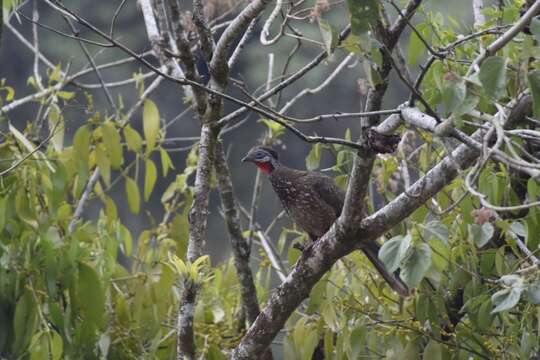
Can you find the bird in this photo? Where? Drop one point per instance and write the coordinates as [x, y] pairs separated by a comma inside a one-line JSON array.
[[314, 202]]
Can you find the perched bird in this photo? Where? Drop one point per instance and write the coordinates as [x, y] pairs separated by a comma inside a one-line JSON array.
[[313, 201]]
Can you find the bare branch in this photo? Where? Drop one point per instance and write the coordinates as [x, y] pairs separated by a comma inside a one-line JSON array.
[[268, 23], [248, 34], [479, 18], [218, 65], [241, 248], [205, 35], [83, 200]]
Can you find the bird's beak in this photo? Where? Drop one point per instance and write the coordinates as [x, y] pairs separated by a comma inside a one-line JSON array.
[[247, 158]]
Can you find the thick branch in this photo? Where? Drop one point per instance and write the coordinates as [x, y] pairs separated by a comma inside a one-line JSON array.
[[240, 247], [339, 241], [218, 65], [199, 209]]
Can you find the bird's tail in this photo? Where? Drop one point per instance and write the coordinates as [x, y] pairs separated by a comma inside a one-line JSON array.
[[371, 250]]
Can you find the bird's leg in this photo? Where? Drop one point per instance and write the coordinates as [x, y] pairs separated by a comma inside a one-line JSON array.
[[307, 245], [299, 246]]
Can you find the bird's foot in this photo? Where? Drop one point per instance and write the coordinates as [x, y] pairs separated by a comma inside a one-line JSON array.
[[305, 248], [299, 246]]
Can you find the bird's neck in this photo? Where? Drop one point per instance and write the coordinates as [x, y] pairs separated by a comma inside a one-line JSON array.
[[267, 167]]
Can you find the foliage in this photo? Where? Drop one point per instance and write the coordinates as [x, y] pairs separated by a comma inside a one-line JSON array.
[[100, 291]]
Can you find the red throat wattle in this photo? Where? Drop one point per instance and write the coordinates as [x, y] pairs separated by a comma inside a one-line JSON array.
[[265, 167]]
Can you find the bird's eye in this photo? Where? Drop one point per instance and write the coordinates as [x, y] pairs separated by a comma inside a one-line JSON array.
[[259, 155]]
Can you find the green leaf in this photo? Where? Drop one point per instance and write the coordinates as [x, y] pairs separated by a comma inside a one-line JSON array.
[[506, 299], [393, 251], [535, 28], [214, 353], [440, 255], [56, 74], [351, 44], [357, 339], [375, 54], [10, 93], [56, 121], [150, 178], [415, 48], [314, 157], [481, 234], [364, 13], [416, 265], [436, 229], [533, 293], [328, 34], [432, 351], [485, 318], [328, 344], [25, 321], [24, 208], [329, 315], [492, 76], [56, 346], [134, 198], [519, 228], [150, 124], [454, 92], [373, 76], [104, 163], [112, 141], [532, 189], [66, 95], [90, 294], [166, 162], [133, 139], [3, 202], [81, 145], [276, 129], [466, 106], [534, 84], [125, 239], [528, 343], [411, 351]]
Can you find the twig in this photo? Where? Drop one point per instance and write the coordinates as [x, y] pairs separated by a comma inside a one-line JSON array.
[[266, 27], [58, 32], [115, 16], [274, 260], [94, 67], [291, 79], [312, 91], [248, 34], [82, 201], [420, 36], [35, 150]]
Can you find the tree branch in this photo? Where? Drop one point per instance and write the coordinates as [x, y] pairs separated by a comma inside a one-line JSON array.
[[241, 248], [340, 240], [313, 263], [218, 65]]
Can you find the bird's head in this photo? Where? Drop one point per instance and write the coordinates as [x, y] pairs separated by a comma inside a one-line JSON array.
[[265, 158]]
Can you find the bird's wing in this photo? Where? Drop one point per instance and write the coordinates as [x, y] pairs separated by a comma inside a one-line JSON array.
[[329, 192]]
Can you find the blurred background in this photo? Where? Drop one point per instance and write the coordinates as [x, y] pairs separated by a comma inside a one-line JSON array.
[[344, 94]]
